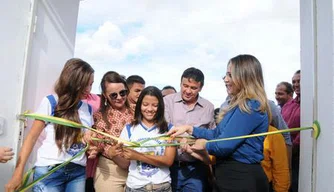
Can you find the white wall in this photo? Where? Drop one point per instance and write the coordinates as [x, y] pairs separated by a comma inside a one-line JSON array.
[[317, 102], [50, 45], [14, 30]]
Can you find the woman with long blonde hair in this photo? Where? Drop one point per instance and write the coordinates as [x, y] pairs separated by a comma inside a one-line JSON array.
[[238, 165]]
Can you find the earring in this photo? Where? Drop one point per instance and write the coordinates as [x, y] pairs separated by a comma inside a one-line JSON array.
[[105, 102]]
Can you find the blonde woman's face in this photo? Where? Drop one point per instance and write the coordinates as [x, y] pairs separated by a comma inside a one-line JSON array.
[[230, 86]]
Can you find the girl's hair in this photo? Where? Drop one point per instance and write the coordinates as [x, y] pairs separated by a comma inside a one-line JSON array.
[[69, 87], [159, 117], [247, 76], [110, 77]]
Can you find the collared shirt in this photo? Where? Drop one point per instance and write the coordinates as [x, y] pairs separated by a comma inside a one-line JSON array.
[[238, 123], [177, 112], [291, 115]]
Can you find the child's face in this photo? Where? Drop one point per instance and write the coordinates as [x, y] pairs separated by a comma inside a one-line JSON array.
[[149, 108]]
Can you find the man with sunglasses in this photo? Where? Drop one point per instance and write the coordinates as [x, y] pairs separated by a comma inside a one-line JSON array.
[[135, 84], [187, 107]]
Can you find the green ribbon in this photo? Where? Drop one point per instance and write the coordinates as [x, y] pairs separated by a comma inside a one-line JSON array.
[[316, 129], [73, 124], [25, 186]]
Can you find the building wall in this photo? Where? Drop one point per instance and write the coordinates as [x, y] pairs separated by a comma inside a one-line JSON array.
[[13, 39], [317, 75], [38, 39]]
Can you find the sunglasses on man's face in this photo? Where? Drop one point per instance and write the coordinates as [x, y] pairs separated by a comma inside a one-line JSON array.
[[122, 93]]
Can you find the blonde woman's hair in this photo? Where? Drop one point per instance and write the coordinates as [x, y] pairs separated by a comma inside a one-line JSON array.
[[247, 76]]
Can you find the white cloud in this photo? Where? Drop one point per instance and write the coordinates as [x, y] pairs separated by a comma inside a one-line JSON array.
[[137, 45], [160, 39], [109, 32]]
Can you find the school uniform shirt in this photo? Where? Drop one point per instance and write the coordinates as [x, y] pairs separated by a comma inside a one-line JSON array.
[[238, 123], [48, 153], [140, 173]]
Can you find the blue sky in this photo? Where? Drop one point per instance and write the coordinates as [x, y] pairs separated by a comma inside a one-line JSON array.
[[160, 39]]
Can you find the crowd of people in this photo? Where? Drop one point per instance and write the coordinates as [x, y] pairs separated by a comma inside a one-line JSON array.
[[128, 110]]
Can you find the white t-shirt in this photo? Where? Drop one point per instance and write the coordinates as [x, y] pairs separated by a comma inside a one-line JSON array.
[[141, 174], [48, 152]]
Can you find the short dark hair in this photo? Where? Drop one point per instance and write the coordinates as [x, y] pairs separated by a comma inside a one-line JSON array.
[[297, 72], [288, 86], [168, 87], [159, 118], [134, 79], [195, 74]]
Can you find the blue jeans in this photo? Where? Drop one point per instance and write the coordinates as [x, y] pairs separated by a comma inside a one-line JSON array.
[[70, 178], [189, 178]]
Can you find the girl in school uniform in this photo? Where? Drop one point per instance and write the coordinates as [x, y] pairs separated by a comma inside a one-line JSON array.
[[149, 167], [59, 143]]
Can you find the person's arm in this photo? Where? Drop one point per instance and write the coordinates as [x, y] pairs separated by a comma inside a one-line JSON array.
[[240, 123], [165, 160], [280, 164], [26, 149], [207, 134], [198, 132], [115, 152], [201, 155]]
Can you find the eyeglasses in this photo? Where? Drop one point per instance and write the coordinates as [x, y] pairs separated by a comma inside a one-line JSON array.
[[122, 93]]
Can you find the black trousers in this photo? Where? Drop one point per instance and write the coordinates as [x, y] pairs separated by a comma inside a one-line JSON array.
[[233, 176]]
